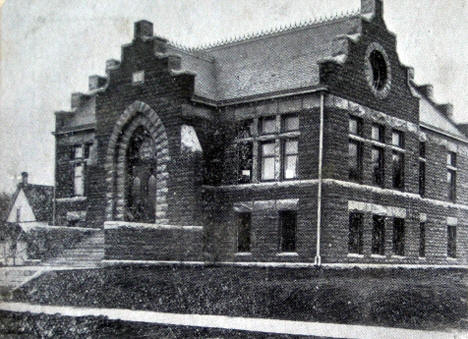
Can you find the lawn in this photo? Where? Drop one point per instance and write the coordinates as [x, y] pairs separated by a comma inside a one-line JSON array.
[[52, 326], [422, 299]]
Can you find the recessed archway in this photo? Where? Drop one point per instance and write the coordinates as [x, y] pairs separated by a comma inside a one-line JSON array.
[[137, 115]]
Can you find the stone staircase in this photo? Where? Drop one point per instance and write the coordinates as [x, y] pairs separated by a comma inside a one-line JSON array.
[[87, 253], [13, 277]]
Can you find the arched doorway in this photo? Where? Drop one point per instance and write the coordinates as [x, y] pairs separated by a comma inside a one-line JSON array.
[[141, 177], [137, 115]]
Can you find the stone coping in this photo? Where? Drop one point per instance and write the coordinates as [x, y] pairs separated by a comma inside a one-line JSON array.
[[113, 225]]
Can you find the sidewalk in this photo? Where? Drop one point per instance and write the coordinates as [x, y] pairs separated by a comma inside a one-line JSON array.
[[236, 323]]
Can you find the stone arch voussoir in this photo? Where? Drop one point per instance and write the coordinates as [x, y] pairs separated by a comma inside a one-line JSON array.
[[137, 114]]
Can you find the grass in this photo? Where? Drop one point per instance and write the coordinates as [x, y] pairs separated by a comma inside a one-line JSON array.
[[422, 299], [53, 326]]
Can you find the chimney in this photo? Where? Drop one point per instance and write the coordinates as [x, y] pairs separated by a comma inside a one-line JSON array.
[[112, 64], [446, 109], [96, 81], [143, 29], [77, 99], [24, 178], [427, 90], [372, 8], [463, 128]]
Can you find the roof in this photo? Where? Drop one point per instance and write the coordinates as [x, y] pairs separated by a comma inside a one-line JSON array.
[[267, 62], [432, 117], [40, 199]]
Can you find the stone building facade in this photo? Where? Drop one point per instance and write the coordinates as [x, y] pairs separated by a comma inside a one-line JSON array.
[[309, 144]]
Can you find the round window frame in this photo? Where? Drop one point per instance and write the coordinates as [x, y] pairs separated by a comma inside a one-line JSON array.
[[385, 90]]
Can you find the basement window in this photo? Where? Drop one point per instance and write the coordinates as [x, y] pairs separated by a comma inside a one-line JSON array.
[[355, 233], [452, 241], [378, 235], [422, 240], [399, 237], [243, 232], [288, 221]]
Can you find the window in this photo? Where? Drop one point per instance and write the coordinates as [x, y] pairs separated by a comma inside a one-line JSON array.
[[290, 152], [288, 231], [87, 148], [399, 236], [422, 178], [243, 232], [355, 160], [77, 152], [422, 149], [398, 170], [290, 123], [452, 176], [398, 139], [379, 69], [452, 159], [378, 235], [452, 182], [422, 169], [245, 129], [244, 159], [355, 233], [78, 182], [355, 126], [422, 239], [138, 77], [18, 214], [268, 163], [268, 125], [452, 241], [378, 133], [378, 166]]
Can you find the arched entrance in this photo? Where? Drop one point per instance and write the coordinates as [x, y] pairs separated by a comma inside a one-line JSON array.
[[137, 167], [141, 177]]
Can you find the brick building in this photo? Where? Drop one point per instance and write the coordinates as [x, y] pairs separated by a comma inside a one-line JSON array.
[[230, 152]]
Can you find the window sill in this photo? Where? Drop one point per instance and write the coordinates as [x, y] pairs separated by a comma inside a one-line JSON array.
[[398, 256], [287, 254], [452, 259], [422, 258], [77, 198], [355, 255], [378, 256], [243, 254]]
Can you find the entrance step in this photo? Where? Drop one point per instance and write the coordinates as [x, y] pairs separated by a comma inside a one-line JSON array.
[[87, 253]]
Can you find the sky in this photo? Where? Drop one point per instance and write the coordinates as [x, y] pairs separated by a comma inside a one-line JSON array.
[[48, 48]]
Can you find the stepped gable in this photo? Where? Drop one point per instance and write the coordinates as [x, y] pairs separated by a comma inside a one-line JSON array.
[[434, 115], [277, 60]]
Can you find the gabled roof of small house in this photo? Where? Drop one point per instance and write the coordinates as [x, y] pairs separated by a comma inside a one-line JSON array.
[[39, 198]]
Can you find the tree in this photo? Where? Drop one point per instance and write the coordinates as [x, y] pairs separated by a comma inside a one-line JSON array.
[[5, 201]]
